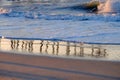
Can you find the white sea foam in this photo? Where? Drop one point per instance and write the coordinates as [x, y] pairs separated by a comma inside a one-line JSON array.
[[108, 11], [110, 6], [73, 17], [46, 22]]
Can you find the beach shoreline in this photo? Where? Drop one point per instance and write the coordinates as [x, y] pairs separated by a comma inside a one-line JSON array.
[[62, 49]]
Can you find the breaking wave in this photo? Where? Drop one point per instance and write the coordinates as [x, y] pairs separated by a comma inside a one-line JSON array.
[[110, 6], [107, 11], [80, 17]]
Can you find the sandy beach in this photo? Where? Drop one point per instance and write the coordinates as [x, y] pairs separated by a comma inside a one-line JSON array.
[[29, 67]]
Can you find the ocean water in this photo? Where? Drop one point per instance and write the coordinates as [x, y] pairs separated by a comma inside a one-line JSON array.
[[62, 21]]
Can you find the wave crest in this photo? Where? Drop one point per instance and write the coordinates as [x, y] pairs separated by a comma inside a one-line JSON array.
[[110, 6], [78, 17], [105, 13]]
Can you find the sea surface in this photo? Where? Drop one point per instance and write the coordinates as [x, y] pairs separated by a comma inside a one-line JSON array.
[[61, 21]]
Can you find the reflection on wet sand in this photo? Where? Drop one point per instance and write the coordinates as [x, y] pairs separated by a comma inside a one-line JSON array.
[[60, 48]]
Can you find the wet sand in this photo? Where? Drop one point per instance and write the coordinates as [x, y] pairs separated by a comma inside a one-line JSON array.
[[30, 67], [62, 49]]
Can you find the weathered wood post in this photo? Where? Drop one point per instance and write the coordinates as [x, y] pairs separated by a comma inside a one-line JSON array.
[[53, 48], [17, 44], [68, 49], [41, 45], [75, 52], [105, 52], [99, 52], [46, 50], [92, 48], [81, 49], [57, 49], [30, 46]]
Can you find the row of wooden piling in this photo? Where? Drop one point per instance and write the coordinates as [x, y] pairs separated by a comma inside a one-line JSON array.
[[28, 46]]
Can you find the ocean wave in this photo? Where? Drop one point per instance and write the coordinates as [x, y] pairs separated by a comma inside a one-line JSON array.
[[110, 6], [60, 12], [78, 17]]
